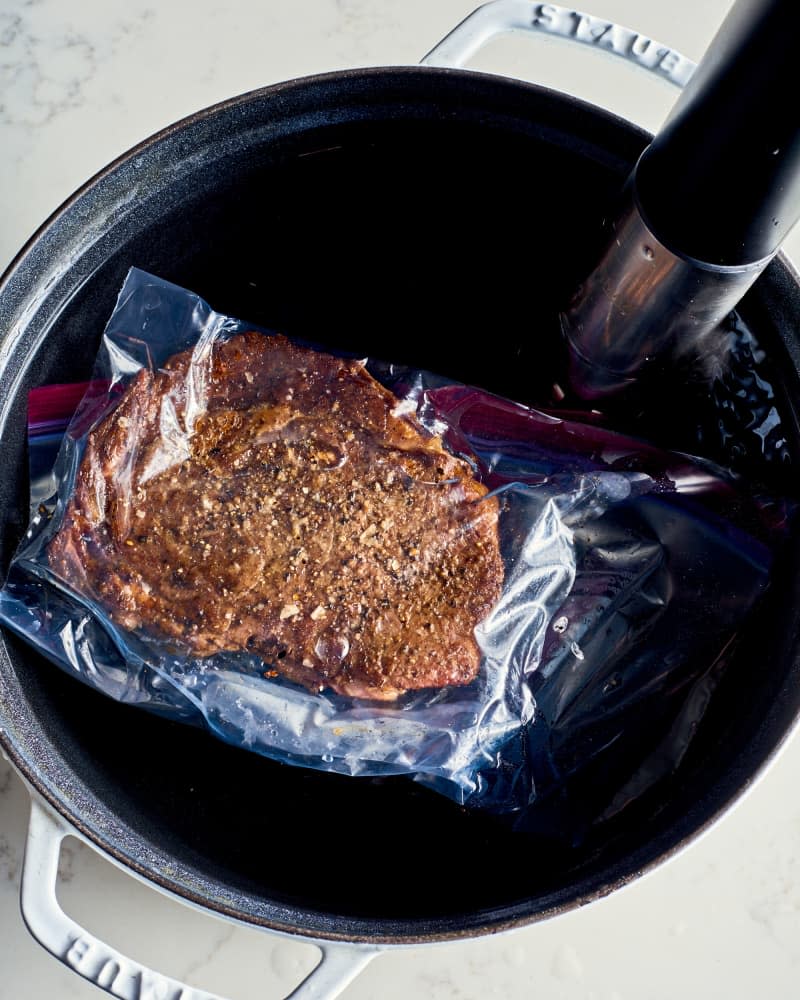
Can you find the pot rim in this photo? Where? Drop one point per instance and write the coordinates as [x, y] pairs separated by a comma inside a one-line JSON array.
[[272, 90]]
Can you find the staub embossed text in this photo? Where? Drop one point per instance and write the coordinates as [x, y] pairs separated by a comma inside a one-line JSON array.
[[111, 972], [613, 37]]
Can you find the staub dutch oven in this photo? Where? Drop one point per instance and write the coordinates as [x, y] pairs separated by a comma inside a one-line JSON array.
[[328, 191]]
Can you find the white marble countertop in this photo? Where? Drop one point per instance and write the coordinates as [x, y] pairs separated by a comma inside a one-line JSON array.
[[79, 84]]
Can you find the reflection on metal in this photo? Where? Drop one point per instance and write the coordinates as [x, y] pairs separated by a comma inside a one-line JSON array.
[[642, 300]]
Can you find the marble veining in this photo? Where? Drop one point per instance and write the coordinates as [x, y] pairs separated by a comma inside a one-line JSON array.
[[48, 63]]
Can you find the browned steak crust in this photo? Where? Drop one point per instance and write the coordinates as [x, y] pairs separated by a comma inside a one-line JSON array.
[[270, 498]]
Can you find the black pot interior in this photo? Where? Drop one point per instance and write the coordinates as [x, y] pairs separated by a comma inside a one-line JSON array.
[[412, 216]]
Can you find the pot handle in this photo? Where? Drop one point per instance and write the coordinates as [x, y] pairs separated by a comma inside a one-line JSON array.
[[112, 971], [501, 16]]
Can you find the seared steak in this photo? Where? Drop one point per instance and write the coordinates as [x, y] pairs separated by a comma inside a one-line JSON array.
[[265, 497]]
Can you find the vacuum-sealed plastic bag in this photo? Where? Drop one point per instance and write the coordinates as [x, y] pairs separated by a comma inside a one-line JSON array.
[[664, 581], [356, 567]]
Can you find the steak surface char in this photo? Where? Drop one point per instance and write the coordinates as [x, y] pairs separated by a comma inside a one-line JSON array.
[[264, 497]]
